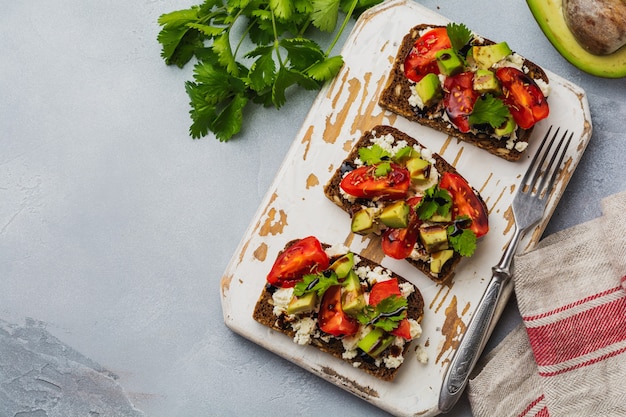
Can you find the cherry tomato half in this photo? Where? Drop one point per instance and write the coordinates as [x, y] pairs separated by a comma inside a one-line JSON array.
[[303, 257], [363, 183], [399, 243], [466, 202], [331, 317], [384, 289], [459, 99], [523, 97], [421, 60]]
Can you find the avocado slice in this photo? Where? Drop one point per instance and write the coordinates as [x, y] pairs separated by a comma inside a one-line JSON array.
[[302, 304], [434, 238], [429, 89], [418, 168], [485, 81], [375, 342], [487, 55], [363, 222], [438, 260], [395, 215], [352, 297], [506, 128], [549, 16], [343, 265], [449, 62]]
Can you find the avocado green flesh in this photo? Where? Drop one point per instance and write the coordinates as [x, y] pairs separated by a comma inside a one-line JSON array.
[[549, 16]]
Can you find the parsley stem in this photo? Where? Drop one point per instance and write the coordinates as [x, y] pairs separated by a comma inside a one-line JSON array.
[[276, 41], [343, 26]]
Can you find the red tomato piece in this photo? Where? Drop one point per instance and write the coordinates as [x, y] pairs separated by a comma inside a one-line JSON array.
[[303, 257], [421, 60], [459, 99], [523, 97], [384, 289], [363, 183], [331, 317], [403, 330], [399, 243], [466, 202]]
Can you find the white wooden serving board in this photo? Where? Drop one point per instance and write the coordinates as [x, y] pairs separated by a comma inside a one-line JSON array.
[[295, 207]]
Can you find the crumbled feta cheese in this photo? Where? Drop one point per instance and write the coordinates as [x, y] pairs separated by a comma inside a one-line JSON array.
[[419, 254], [416, 328], [304, 330], [373, 276], [521, 146], [393, 362], [414, 99], [337, 249], [406, 289], [281, 298], [350, 342], [421, 354]]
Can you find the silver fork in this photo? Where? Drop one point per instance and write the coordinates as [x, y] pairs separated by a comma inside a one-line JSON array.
[[528, 207]]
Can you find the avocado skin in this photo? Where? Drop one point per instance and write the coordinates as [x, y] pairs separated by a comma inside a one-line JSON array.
[[549, 16]]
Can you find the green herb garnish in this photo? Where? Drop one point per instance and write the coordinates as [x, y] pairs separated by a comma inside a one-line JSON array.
[[435, 201], [491, 110], [226, 78], [386, 314], [318, 283], [382, 169], [459, 35], [373, 154], [462, 240]]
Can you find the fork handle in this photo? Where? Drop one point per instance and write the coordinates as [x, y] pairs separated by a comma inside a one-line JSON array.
[[477, 331]]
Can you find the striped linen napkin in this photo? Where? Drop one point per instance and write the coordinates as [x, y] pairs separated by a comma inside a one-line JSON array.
[[568, 356]]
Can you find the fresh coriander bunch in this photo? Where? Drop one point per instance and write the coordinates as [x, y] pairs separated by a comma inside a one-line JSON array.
[[226, 79]]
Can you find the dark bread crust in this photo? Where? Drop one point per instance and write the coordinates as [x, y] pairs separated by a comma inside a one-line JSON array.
[[264, 314], [395, 97], [332, 192]]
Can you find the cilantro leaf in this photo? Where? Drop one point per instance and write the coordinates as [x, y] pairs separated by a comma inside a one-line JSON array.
[[386, 315], [325, 14], [302, 53], [226, 77], [325, 70], [318, 283], [282, 8], [435, 201], [464, 242], [459, 35], [229, 120], [491, 110], [403, 154], [263, 70], [382, 169], [287, 77], [373, 155]]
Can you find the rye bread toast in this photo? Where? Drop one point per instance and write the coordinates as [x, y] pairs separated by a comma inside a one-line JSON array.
[[395, 97], [388, 363], [333, 191]]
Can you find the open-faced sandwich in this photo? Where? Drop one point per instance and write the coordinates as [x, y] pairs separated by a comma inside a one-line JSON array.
[[343, 304], [422, 208], [457, 82]]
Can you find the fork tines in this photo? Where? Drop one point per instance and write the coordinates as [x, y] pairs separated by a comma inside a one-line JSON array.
[[537, 170]]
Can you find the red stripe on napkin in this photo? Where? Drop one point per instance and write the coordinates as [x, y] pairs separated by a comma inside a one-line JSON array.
[[574, 304], [531, 409], [579, 334]]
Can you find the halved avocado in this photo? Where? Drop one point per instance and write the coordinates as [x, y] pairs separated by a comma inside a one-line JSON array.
[[549, 16]]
